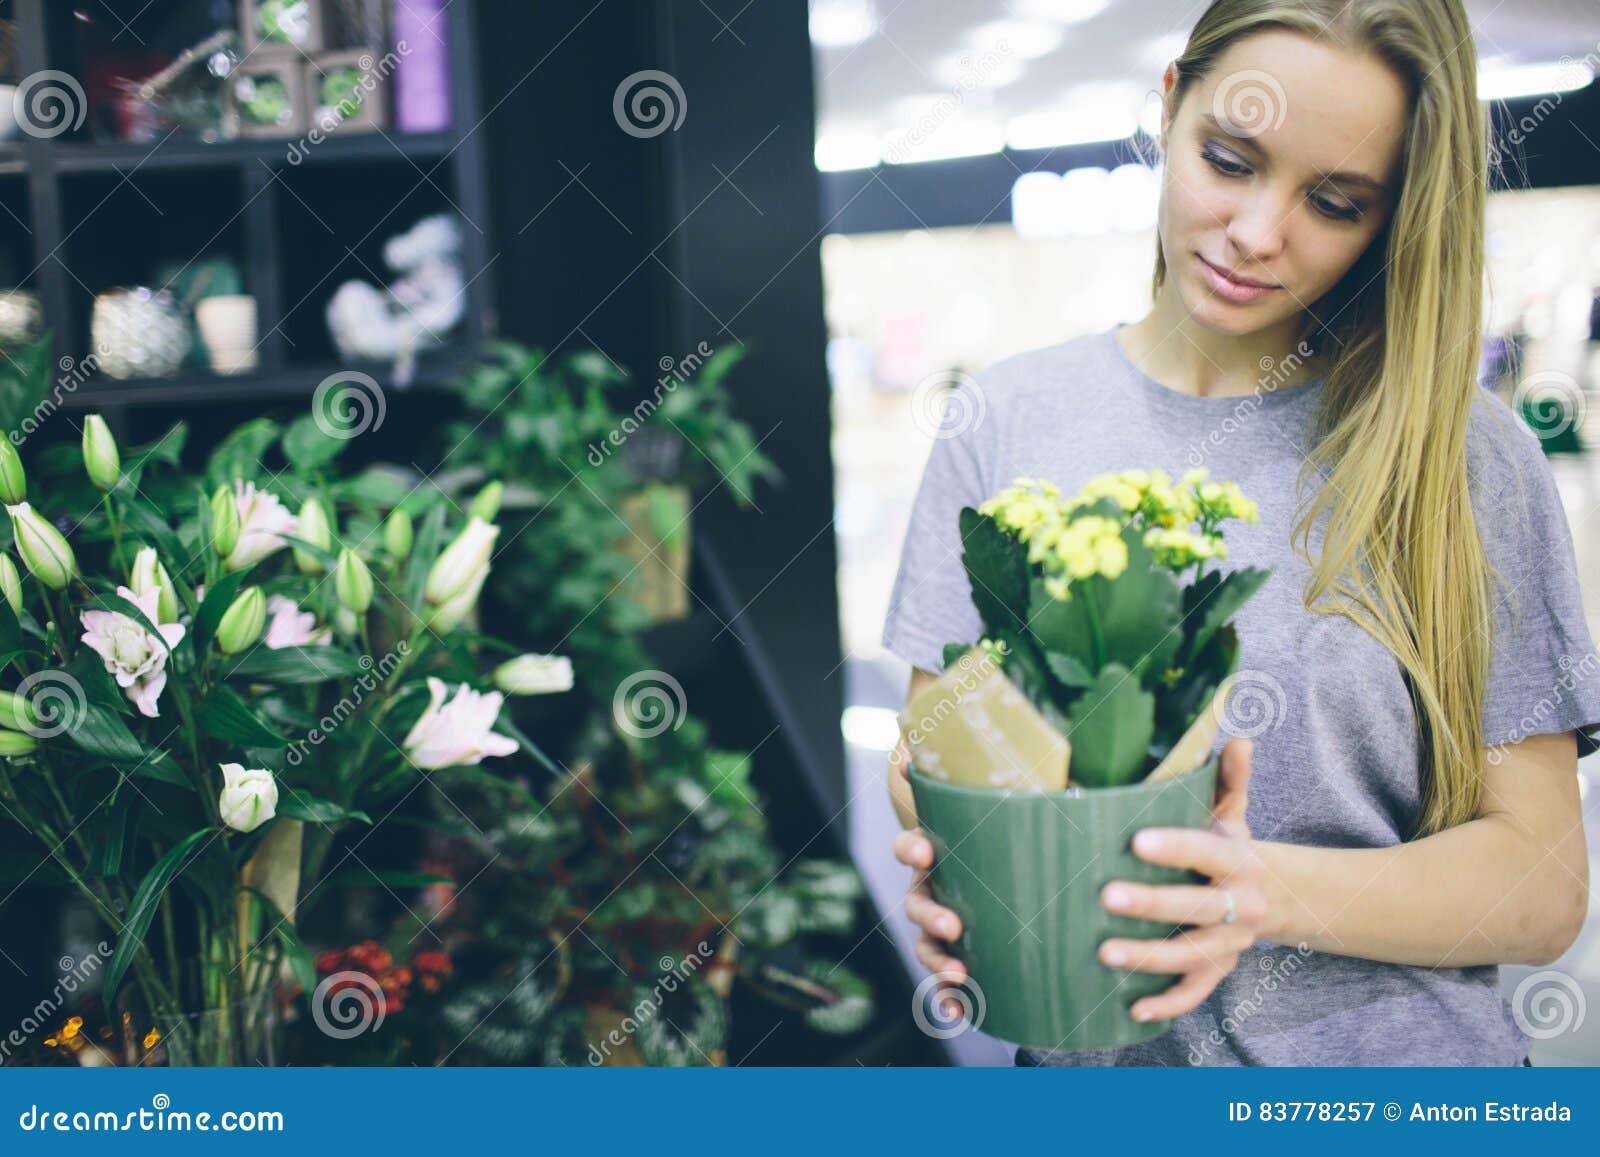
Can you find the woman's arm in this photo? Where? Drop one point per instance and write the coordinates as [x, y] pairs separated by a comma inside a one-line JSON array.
[[1511, 886]]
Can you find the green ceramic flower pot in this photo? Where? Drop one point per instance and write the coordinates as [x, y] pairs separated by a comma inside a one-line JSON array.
[[1024, 871]]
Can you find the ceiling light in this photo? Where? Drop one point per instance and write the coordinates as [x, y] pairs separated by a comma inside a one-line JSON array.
[[1023, 39], [1091, 112], [1511, 82], [1061, 11], [839, 152], [841, 23]]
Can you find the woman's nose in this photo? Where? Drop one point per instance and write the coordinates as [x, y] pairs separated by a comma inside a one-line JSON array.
[[1257, 227]]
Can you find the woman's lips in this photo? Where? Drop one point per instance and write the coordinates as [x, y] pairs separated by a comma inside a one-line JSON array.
[[1224, 286]]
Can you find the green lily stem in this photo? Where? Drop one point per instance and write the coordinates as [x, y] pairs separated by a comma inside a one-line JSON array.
[[319, 839], [116, 532]]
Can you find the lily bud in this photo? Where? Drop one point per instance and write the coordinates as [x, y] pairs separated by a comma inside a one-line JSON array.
[[487, 504], [242, 622], [100, 457], [461, 561], [352, 582], [16, 713], [313, 527], [14, 743], [224, 521], [534, 675], [249, 797], [13, 481], [450, 614], [148, 574], [43, 549], [11, 584], [397, 535]]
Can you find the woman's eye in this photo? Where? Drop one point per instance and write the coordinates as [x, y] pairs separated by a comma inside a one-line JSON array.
[[1222, 164], [1338, 210]]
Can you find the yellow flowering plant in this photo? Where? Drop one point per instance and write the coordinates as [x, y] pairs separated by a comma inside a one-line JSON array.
[[1084, 598]]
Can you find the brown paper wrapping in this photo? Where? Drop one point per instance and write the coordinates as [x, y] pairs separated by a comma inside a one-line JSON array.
[[974, 727]]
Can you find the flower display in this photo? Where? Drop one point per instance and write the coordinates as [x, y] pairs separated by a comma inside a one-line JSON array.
[[289, 626]]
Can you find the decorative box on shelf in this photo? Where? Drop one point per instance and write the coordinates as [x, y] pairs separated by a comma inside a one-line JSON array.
[[347, 91], [269, 97], [293, 26]]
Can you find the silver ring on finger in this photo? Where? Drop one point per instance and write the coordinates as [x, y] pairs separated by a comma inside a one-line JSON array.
[[1232, 912]]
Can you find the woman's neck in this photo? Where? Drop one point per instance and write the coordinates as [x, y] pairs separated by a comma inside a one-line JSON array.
[[1187, 357]]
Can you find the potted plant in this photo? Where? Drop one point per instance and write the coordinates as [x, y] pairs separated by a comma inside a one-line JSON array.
[[1088, 711]]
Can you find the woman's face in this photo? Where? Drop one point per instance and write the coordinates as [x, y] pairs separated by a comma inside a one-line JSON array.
[[1281, 167]]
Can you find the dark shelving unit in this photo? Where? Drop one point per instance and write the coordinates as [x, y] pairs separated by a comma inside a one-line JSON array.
[[71, 180]]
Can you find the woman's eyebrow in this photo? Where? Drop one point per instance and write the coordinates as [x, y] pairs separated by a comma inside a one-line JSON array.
[[1342, 177]]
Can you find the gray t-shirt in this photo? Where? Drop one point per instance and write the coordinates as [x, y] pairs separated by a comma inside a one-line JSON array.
[[1336, 759]]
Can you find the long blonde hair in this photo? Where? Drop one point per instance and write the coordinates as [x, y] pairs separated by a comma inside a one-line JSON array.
[[1400, 333]]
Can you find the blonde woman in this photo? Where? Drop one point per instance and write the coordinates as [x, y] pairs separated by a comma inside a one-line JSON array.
[[1398, 812]]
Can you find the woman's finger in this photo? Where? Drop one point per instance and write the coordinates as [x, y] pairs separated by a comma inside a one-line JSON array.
[[1212, 854], [1182, 997], [1213, 946], [913, 849], [932, 917], [1233, 780], [1178, 903], [935, 959]]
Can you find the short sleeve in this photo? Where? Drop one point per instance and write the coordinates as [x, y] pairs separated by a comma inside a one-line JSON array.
[[1544, 676], [931, 601]]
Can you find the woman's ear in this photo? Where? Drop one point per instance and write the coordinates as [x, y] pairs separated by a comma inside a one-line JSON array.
[[1169, 87]]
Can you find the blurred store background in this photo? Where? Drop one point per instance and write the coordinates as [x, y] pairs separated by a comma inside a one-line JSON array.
[[986, 191]]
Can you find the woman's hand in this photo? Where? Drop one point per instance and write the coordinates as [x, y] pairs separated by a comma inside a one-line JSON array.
[[1207, 952], [939, 924]]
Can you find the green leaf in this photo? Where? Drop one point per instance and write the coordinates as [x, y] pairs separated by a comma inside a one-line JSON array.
[[296, 665], [239, 455], [229, 718], [771, 919], [997, 567], [25, 383], [425, 549], [307, 446], [1069, 671], [144, 521], [143, 908], [1215, 597], [298, 805], [100, 731], [1111, 728], [849, 1006]]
